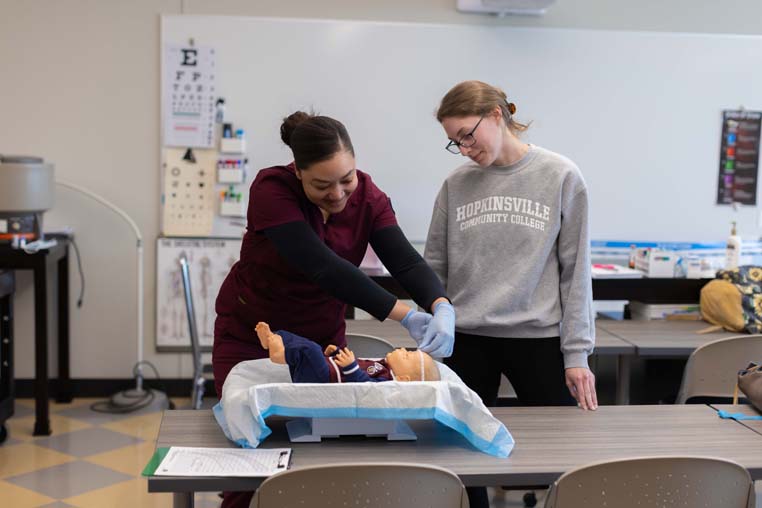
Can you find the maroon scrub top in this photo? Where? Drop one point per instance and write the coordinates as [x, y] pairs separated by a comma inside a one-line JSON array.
[[262, 286]]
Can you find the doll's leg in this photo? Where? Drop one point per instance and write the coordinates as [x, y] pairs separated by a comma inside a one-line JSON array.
[[272, 342], [305, 359]]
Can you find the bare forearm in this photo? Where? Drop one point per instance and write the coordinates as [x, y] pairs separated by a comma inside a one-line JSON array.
[[399, 311]]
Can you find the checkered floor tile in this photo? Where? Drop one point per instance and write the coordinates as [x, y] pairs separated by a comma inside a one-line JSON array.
[[90, 460]]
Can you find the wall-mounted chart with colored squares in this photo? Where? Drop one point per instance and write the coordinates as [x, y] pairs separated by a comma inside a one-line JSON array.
[[739, 157]]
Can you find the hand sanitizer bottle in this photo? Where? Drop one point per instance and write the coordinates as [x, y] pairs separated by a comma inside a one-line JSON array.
[[633, 255], [733, 249]]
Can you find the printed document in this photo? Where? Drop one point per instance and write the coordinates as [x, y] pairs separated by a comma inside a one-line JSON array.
[[187, 461]]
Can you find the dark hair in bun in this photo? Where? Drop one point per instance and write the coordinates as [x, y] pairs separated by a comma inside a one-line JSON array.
[[313, 138]]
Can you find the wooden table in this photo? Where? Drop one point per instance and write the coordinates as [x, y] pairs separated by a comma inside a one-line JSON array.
[[661, 337], [606, 344], [755, 425], [655, 338], [549, 442]]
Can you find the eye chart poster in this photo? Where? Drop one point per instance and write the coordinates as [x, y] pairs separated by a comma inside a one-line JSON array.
[[188, 203], [188, 89], [739, 157]]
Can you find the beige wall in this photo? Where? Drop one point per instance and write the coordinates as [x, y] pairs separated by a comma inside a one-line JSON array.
[[79, 85]]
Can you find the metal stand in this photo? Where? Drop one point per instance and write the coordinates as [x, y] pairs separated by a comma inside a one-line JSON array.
[[312, 430], [197, 392]]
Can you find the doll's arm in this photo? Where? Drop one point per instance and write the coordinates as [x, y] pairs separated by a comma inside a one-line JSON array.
[[350, 368]]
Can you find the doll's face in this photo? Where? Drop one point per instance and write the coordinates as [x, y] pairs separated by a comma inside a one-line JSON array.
[[407, 365]]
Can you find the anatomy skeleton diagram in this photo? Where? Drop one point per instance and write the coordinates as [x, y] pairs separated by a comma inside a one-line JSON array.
[[208, 267]]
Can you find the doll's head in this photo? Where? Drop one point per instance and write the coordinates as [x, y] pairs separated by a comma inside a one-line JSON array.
[[412, 365]]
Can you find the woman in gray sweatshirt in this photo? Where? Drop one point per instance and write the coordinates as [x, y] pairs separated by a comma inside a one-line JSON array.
[[509, 240]]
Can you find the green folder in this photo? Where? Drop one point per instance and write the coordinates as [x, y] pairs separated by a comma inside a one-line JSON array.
[[158, 456]]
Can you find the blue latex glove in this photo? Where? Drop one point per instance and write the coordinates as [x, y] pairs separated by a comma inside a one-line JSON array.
[[439, 338], [416, 323]]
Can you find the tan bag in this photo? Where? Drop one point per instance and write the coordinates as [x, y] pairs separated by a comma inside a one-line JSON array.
[[721, 306], [750, 383]]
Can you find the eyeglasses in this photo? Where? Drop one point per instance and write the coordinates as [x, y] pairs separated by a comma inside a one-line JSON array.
[[466, 141]]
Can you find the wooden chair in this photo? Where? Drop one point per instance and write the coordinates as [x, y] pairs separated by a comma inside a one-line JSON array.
[[712, 369], [363, 485], [655, 481]]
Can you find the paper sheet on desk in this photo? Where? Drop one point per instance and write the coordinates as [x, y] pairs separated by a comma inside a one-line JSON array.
[[603, 271], [189, 461]]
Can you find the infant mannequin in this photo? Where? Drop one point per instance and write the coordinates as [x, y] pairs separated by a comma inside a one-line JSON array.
[[308, 364]]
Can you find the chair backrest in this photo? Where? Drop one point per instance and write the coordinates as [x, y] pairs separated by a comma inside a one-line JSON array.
[[363, 485], [712, 369], [197, 391], [655, 481], [368, 346]]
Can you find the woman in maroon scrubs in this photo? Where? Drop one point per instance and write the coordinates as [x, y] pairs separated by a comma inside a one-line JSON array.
[[309, 225]]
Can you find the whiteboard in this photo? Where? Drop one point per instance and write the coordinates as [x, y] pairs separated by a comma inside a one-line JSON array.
[[640, 113]]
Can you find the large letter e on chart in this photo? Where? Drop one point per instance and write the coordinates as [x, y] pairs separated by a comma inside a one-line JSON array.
[[189, 57]]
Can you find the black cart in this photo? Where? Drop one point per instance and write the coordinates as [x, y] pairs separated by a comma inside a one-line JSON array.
[[7, 285]]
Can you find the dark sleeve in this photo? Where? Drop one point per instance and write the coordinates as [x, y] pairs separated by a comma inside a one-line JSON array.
[[407, 266], [302, 248], [354, 374]]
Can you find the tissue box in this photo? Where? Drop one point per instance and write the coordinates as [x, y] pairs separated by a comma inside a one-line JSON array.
[[233, 145], [229, 175], [233, 209]]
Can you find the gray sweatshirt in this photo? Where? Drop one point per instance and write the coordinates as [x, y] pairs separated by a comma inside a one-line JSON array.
[[512, 248]]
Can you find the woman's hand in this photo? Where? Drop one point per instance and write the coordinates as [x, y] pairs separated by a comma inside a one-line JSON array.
[[345, 357], [581, 384], [416, 323], [329, 350], [439, 338]]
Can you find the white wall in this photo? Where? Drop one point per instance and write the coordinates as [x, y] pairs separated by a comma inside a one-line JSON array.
[[79, 85]]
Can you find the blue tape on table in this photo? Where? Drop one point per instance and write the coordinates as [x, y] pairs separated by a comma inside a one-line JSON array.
[[738, 416]]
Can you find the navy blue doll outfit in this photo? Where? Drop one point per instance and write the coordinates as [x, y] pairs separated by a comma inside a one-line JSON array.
[[307, 364]]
